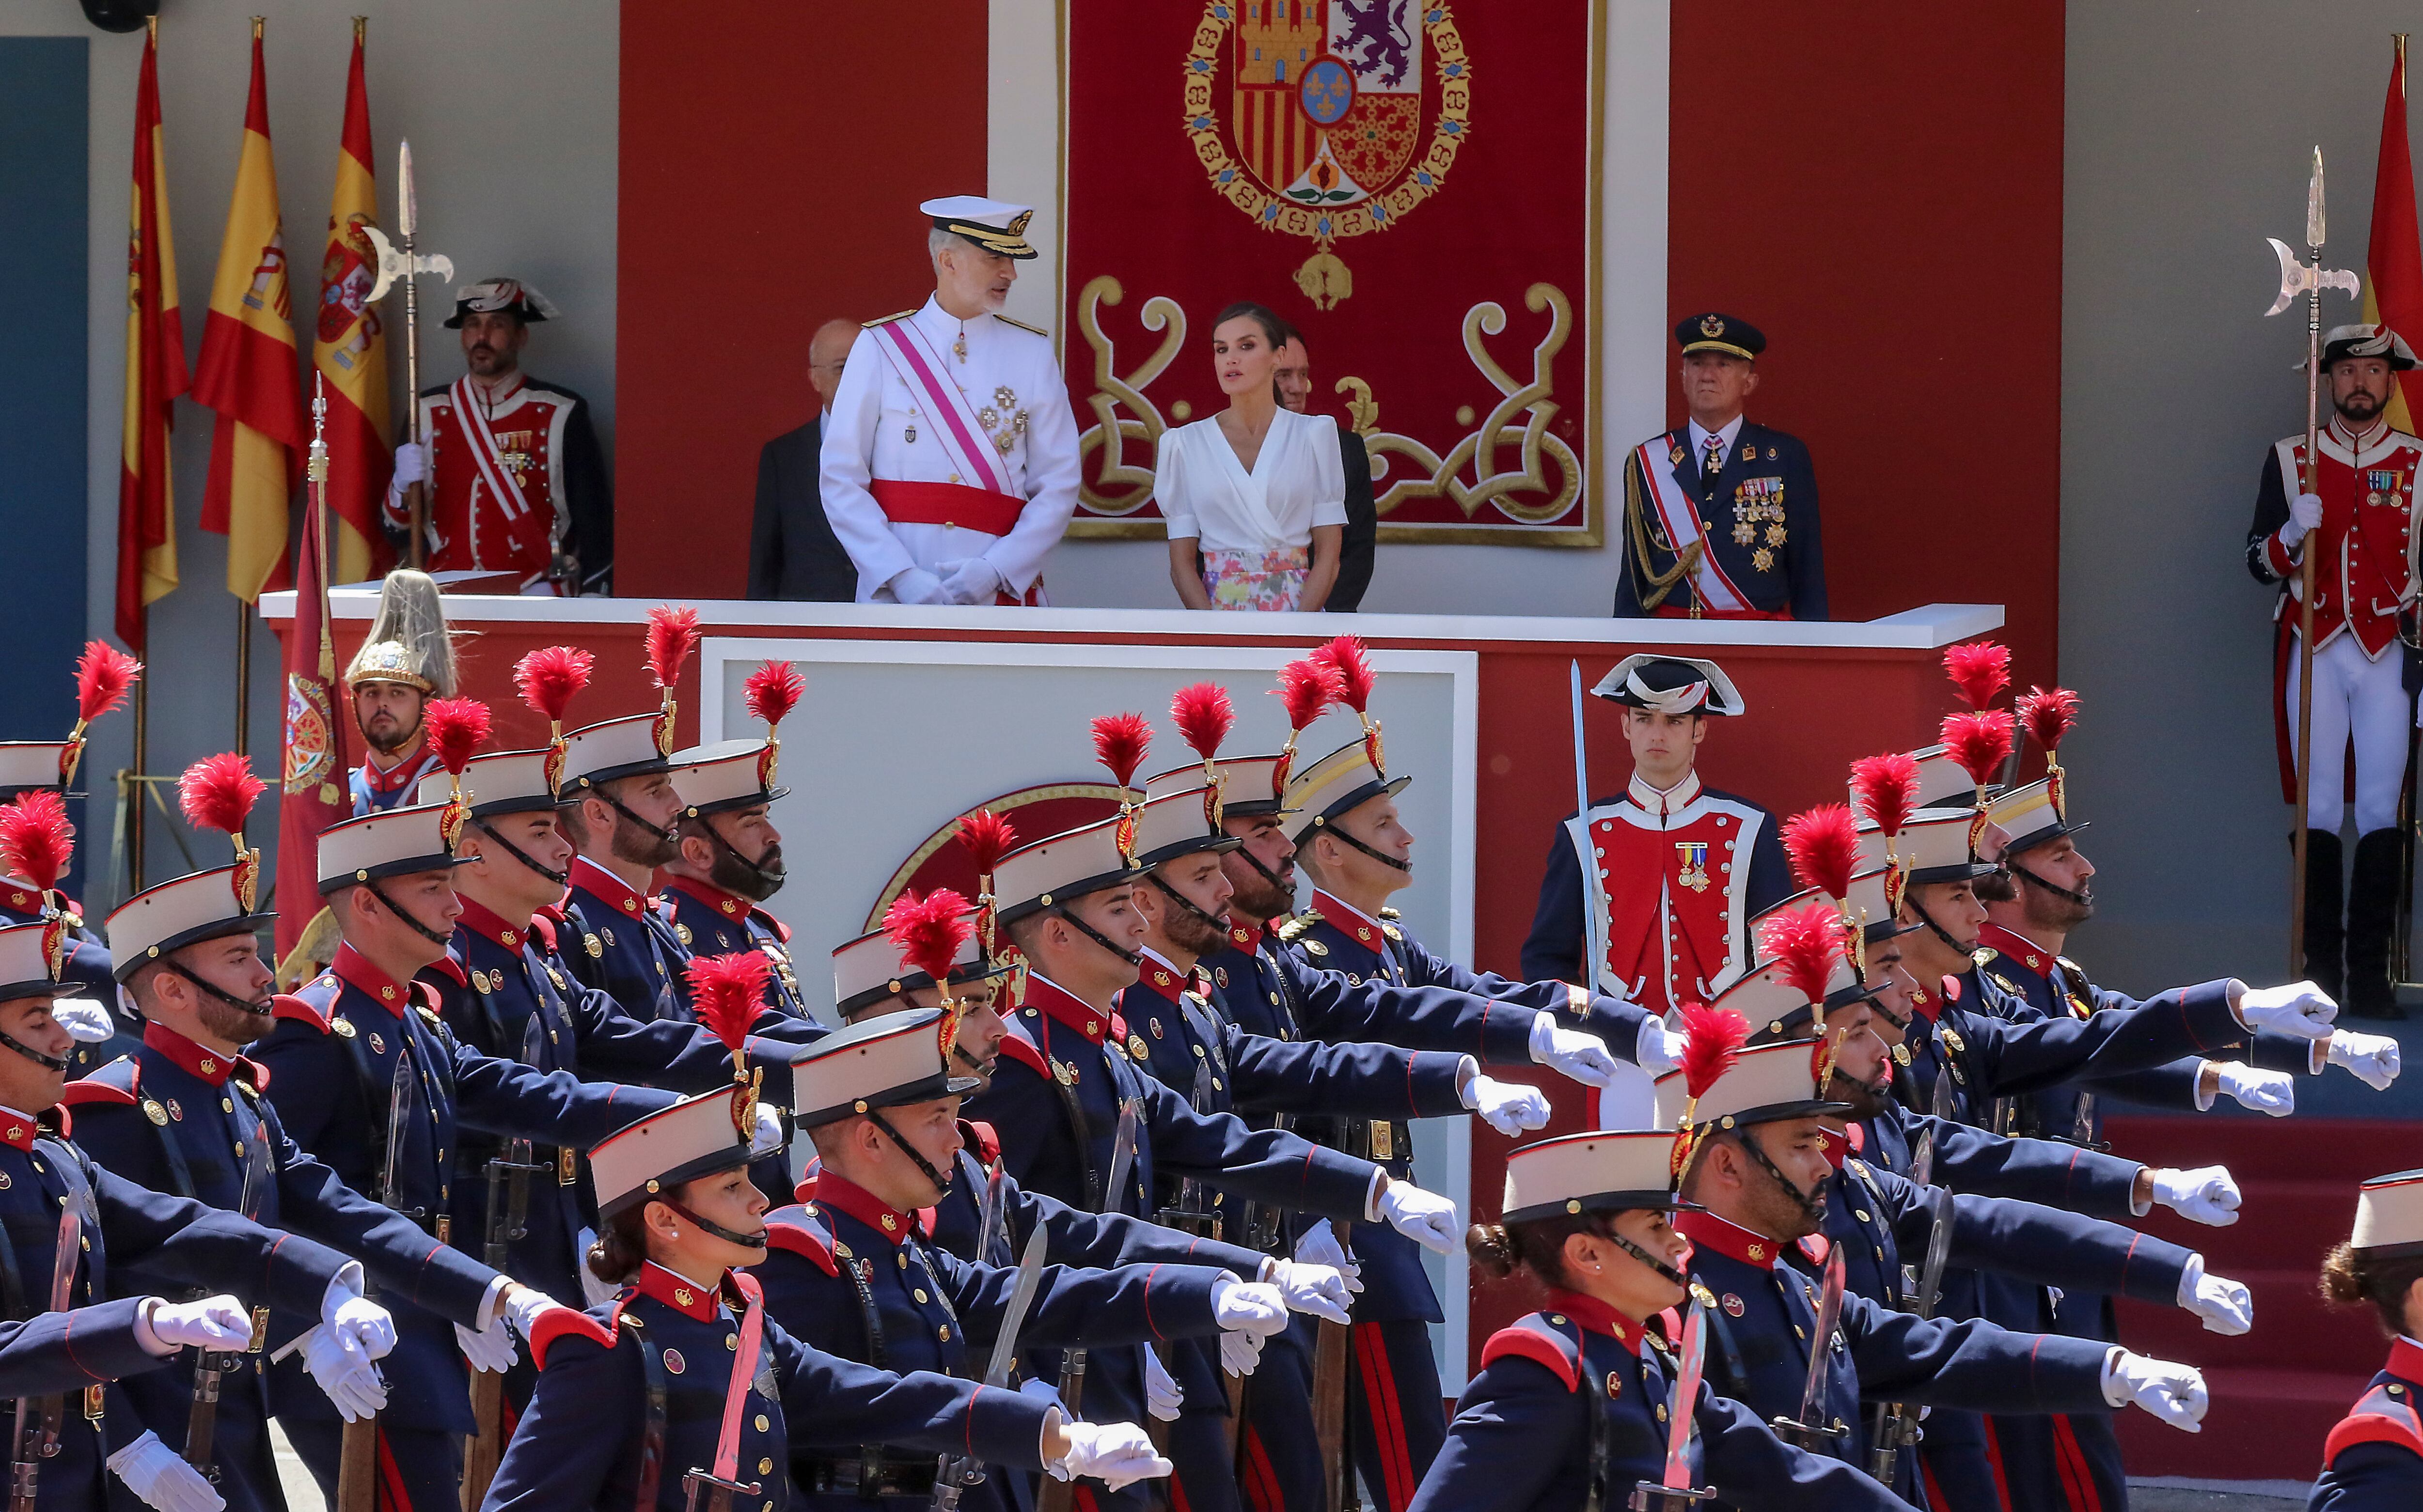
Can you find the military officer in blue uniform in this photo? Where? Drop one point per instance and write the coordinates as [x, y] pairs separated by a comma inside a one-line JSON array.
[[1571, 1406], [1721, 516], [682, 1392], [729, 859], [2373, 1460], [366, 1075], [882, 1103], [93, 1013], [619, 807]]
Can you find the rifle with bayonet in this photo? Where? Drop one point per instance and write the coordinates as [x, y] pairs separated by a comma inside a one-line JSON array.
[[509, 1172], [1895, 1427], [957, 1473], [1806, 1430], [1673, 1491], [38, 1418], [357, 1453], [1059, 1495], [213, 1367]]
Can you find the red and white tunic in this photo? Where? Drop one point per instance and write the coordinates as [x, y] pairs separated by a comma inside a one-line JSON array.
[[499, 496], [2366, 572], [1673, 873]]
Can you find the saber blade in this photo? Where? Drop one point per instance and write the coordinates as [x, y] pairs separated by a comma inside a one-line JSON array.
[[1821, 1343], [1013, 1318], [1686, 1392]]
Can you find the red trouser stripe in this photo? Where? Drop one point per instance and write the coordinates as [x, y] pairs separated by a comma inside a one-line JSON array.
[[1261, 1488], [391, 1479], [1994, 1459], [1387, 1417], [2075, 1472]]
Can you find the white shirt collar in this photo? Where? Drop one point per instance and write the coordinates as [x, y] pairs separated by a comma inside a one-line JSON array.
[[1727, 436], [1680, 796], [2340, 432]]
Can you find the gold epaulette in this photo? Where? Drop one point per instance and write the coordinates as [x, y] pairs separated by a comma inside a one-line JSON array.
[[1292, 929], [1022, 325], [1390, 913], [897, 315], [1981, 954]]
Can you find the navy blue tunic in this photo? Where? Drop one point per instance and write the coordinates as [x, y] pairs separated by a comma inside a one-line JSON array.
[[2373, 1461]]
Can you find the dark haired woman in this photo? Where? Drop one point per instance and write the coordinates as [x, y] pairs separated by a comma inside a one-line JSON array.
[[1577, 1392], [2373, 1461], [1254, 497], [684, 1375]]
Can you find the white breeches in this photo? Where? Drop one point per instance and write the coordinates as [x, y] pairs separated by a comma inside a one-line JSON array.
[[2363, 698]]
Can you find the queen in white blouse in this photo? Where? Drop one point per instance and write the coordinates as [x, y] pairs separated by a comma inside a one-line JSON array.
[[1254, 496]]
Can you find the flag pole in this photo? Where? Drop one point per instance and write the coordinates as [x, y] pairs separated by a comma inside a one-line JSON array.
[[132, 797], [243, 677]]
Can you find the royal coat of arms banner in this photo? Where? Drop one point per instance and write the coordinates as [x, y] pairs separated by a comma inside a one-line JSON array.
[[1413, 186]]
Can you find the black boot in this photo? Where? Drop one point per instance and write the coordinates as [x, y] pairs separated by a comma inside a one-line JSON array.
[[2325, 934], [2372, 918]]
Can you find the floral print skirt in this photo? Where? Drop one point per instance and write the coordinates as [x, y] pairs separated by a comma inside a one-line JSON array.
[[1256, 579]]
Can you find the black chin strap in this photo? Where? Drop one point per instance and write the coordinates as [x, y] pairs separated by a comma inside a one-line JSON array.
[[969, 1061], [1929, 920], [558, 878], [770, 881], [418, 927], [259, 1010], [1284, 890], [669, 833], [1642, 1255], [1808, 1205], [942, 1183], [52, 1062], [1132, 957], [1219, 926], [1385, 859], [2034, 881], [747, 1241]]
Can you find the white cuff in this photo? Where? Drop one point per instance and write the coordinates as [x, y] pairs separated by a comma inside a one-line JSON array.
[[1543, 1029], [1371, 1198], [1466, 1071], [492, 1302], [2115, 1390], [347, 1285], [2204, 1100], [152, 1344]]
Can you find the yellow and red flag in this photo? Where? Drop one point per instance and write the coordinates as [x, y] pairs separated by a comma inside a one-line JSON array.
[[2393, 259], [155, 371], [349, 348], [247, 373]]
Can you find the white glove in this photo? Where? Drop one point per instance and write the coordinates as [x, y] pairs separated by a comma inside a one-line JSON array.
[[1112, 1452], [2265, 1092], [1324, 1291], [1319, 1246], [213, 1323], [2204, 1195], [1044, 1391], [525, 1305], [2371, 1059], [85, 1020], [1425, 1218], [490, 1348], [2175, 1393], [2304, 513], [359, 1326], [972, 580], [1508, 1107], [412, 465], [347, 1375], [1660, 1049], [1252, 1307], [1162, 1397], [593, 1292], [1240, 1352], [1579, 1055], [2224, 1305], [161, 1477], [770, 1134], [915, 585], [2299, 1008]]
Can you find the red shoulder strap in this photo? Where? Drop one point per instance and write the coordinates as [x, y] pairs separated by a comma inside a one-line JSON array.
[[797, 1234], [85, 1090], [543, 925], [1533, 1339], [2372, 1428], [982, 1138], [561, 1322], [301, 1010]]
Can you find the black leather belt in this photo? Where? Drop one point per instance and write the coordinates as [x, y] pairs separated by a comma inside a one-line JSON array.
[[848, 1477]]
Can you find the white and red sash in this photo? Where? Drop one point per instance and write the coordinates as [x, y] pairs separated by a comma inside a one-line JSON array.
[[1681, 517], [533, 538], [963, 439]]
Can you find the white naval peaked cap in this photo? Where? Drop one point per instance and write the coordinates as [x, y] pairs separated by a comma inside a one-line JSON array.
[[1251, 786], [889, 1061], [868, 970], [694, 1138], [994, 225], [186, 911], [1601, 1171], [1766, 1083], [2389, 1216], [30, 958], [499, 782], [33, 764], [395, 843]]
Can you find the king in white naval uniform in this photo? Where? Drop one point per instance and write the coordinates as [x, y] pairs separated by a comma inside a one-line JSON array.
[[950, 458]]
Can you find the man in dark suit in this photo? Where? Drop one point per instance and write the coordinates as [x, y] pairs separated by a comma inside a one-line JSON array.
[[1293, 376], [793, 553]]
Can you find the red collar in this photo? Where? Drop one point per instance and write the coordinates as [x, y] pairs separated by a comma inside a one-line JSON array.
[[1596, 1317], [1729, 1238], [19, 1129], [407, 771], [1160, 977], [355, 971], [495, 926], [1838, 1144], [679, 1293], [2405, 1359], [1348, 920], [197, 1059], [1246, 938], [849, 1197], [593, 879], [1062, 1007], [2017, 946], [730, 904]]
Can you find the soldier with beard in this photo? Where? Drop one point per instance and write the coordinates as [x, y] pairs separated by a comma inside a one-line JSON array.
[[619, 805], [406, 660], [728, 859]]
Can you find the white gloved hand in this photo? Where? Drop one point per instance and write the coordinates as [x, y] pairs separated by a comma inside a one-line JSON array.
[[2204, 1195], [2300, 1008], [87, 1021], [2371, 1059], [769, 1138], [358, 1325], [2304, 515], [915, 585], [345, 1374], [1571, 1052], [411, 465], [213, 1323], [972, 580], [1240, 1352], [2265, 1092], [1115, 1454], [593, 1292], [1162, 1397], [524, 1306], [2175, 1393], [161, 1477], [1660, 1048], [1319, 1246], [1324, 1291], [1508, 1107], [2224, 1305], [1425, 1218], [490, 1348], [1253, 1307], [1044, 1391]]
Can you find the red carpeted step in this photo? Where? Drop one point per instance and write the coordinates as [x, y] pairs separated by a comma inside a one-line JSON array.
[[2294, 1329], [2284, 1222], [2265, 1425]]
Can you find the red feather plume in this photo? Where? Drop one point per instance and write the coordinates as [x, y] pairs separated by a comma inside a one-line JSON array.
[[987, 837], [457, 728], [673, 635], [1980, 742], [219, 792], [1346, 658], [929, 931], [1886, 789], [1307, 687], [1120, 741], [1823, 845], [36, 839], [1980, 669], [772, 691], [2048, 716], [727, 991], [104, 675], [550, 676], [1807, 940], [1712, 1042], [1204, 716]]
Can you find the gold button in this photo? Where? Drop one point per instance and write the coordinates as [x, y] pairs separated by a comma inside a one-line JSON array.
[[918, 1293], [1661, 1411], [943, 1332], [1861, 1214], [763, 1426], [226, 1106], [730, 1343], [765, 1467]]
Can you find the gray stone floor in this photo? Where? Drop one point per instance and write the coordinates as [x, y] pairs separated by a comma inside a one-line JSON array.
[[2165, 1493]]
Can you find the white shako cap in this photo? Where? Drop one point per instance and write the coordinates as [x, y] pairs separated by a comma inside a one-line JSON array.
[[1065, 867], [1181, 825], [186, 911], [889, 1061], [30, 958], [1336, 785], [694, 1138], [632, 746], [726, 775], [498, 782], [1943, 782], [1766, 1084], [2389, 1217], [2031, 815], [869, 969], [1250, 785], [395, 843], [1600, 1171], [33, 764], [1932, 847]]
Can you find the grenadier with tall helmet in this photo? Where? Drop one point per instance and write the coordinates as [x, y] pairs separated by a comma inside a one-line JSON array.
[[406, 660]]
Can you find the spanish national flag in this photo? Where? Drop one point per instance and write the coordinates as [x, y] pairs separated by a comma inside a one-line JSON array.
[[155, 371], [248, 373], [2393, 281], [349, 348]]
